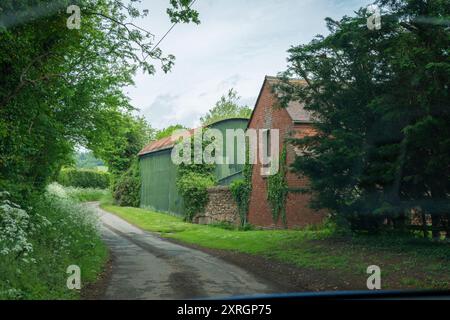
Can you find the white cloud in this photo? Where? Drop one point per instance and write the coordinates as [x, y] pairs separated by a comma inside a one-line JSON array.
[[236, 44]]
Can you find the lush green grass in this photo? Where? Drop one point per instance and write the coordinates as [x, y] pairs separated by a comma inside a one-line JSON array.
[[56, 233], [87, 194], [255, 241], [400, 258]]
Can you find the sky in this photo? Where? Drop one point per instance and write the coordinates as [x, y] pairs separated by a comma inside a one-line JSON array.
[[236, 44]]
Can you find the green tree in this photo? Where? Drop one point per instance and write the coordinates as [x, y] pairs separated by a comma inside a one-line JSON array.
[[121, 141], [87, 160], [167, 132], [127, 189], [63, 87], [119, 147], [227, 107], [381, 102]]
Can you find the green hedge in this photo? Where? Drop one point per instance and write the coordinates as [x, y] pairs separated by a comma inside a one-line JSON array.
[[193, 187], [84, 178], [127, 189]]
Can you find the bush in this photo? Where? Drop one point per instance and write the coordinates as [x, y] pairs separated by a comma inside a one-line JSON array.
[[193, 180], [84, 178], [193, 187], [38, 244], [127, 189]]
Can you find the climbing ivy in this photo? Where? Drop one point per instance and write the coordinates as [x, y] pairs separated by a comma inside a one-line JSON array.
[[277, 190], [193, 181], [193, 187], [241, 190]]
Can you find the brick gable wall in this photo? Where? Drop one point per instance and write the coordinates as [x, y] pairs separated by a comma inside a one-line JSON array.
[[298, 214]]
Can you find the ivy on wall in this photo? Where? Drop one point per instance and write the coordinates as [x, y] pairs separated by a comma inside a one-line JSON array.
[[241, 190], [193, 187], [193, 181], [277, 190]]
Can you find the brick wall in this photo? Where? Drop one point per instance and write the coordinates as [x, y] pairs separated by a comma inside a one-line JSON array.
[[267, 116], [221, 207]]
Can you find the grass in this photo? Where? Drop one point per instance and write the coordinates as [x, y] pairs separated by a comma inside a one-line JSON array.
[[255, 242], [87, 194], [405, 262]]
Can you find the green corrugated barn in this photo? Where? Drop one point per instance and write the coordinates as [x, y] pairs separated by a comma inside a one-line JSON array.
[[158, 173]]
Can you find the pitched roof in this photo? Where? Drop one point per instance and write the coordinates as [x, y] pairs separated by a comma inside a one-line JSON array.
[[169, 142], [295, 109], [164, 143]]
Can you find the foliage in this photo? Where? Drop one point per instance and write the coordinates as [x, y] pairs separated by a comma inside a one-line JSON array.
[[379, 152], [87, 160], [167, 132], [193, 179], [227, 107], [277, 190], [78, 194], [193, 187], [84, 178], [126, 136], [241, 190], [14, 223], [38, 244], [64, 87], [127, 189]]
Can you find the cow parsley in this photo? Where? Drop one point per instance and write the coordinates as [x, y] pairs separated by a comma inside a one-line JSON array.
[[14, 226]]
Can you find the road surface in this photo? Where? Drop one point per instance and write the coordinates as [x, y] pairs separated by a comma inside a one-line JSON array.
[[147, 267]]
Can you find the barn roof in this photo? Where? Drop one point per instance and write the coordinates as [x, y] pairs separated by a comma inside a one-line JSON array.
[[164, 143], [169, 142], [295, 109]]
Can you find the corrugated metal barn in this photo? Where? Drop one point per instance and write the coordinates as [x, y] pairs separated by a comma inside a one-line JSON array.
[[158, 172]]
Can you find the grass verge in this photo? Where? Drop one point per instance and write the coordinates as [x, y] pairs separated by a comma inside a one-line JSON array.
[[405, 262]]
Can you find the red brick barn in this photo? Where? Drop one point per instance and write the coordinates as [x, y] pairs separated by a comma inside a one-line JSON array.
[[292, 121]]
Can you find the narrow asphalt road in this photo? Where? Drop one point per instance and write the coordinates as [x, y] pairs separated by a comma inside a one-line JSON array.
[[147, 267]]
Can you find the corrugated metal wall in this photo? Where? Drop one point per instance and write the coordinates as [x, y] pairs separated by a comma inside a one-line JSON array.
[[226, 170], [158, 174], [159, 189]]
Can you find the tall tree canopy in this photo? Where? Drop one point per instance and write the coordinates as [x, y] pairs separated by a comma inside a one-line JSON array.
[[227, 107], [62, 87], [121, 141], [381, 101]]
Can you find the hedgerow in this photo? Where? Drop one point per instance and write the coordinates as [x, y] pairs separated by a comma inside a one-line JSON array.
[[84, 178], [193, 187]]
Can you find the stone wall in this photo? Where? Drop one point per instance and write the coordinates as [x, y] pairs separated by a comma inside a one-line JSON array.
[[221, 207]]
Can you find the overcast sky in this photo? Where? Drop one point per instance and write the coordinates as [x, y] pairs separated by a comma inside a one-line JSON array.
[[237, 43]]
